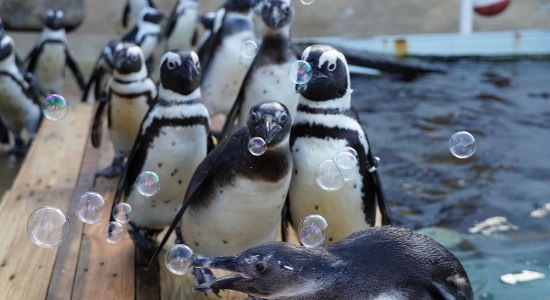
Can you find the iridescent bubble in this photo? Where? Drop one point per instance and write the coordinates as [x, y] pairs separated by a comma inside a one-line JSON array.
[[257, 146], [178, 259], [462, 144], [317, 221], [313, 231], [48, 227], [307, 2], [123, 213], [148, 183], [249, 49], [300, 72], [328, 176], [114, 233], [347, 162], [91, 208], [55, 107]]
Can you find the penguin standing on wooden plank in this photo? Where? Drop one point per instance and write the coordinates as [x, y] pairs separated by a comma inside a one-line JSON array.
[[19, 99], [51, 54], [130, 93], [325, 123], [172, 142], [268, 75], [131, 12], [102, 72], [181, 28]]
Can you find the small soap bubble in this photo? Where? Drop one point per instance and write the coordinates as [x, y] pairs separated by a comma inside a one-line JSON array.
[[249, 49], [148, 183], [347, 162], [178, 259], [114, 233], [300, 72], [317, 221], [48, 227], [55, 107], [462, 144], [257, 146], [123, 213], [307, 2], [91, 208], [313, 231], [328, 176]]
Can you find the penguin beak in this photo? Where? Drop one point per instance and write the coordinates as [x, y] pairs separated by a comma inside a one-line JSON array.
[[269, 128], [228, 263]]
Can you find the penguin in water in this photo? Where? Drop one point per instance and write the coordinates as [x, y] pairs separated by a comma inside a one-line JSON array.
[[325, 123], [51, 54], [224, 65], [268, 76], [130, 93], [102, 72], [20, 97], [181, 28], [131, 11], [172, 142], [377, 263]]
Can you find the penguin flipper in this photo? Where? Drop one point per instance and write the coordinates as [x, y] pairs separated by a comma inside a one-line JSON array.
[[285, 219], [32, 58], [126, 14], [207, 49], [171, 23], [97, 128], [35, 88], [73, 65], [4, 134]]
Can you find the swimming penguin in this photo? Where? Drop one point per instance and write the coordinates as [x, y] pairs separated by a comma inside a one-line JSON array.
[[131, 11], [102, 72], [130, 93], [267, 78], [19, 99], [223, 64], [325, 123], [181, 28], [172, 142], [51, 54], [377, 263]]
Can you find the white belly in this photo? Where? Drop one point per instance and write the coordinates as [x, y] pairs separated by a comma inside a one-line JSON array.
[[148, 45], [126, 117], [173, 156], [16, 110], [243, 216], [341, 208], [225, 75], [183, 32], [50, 67], [269, 82]]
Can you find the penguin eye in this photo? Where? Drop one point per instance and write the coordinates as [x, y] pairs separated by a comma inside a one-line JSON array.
[[331, 67], [260, 267], [171, 65], [283, 117], [254, 117], [133, 57]]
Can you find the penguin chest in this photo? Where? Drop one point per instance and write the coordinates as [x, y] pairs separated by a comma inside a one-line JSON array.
[[343, 208], [173, 155], [50, 66], [126, 115], [239, 215], [183, 32], [225, 74], [149, 44], [17, 111], [270, 82]]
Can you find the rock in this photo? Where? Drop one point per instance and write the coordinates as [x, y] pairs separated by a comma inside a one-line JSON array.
[[27, 14]]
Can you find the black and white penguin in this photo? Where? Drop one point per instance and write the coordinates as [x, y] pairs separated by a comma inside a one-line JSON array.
[[180, 30], [267, 78], [172, 142], [19, 99], [377, 263], [130, 93], [224, 65], [131, 12], [325, 123], [102, 72], [51, 54]]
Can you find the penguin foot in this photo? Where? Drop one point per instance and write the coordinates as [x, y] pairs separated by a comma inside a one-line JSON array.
[[142, 240], [110, 172], [205, 275]]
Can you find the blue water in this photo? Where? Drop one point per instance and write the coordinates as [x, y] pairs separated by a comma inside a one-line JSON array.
[[506, 106]]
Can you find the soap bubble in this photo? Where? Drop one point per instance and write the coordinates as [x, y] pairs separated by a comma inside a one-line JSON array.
[[249, 49], [313, 231], [307, 2], [328, 176], [115, 232], [347, 162], [91, 208], [148, 183], [123, 213], [300, 72], [178, 259], [48, 227], [55, 107], [462, 144], [257, 146]]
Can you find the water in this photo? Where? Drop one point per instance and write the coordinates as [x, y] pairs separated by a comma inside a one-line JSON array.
[[506, 106]]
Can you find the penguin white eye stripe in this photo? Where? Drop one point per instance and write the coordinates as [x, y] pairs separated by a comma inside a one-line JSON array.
[[172, 59], [332, 57], [5, 41], [59, 14], [133, 51], [306, 53]]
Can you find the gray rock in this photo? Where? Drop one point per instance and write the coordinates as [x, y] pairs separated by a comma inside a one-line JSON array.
[[27, 14]]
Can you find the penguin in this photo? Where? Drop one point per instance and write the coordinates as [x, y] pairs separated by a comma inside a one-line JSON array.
[[181, 28], [20, 97], [172, 141], [18, 59], [130, 93], [102, 72], [325, 123], [51, 54], [224, 65], [131, 11], [376, 263], [268, 75]]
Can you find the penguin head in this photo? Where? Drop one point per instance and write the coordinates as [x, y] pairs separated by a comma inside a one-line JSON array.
[[128, 58], [330, 74], [53, 19], [6, 46], [277, 13], [180, 71], [270, 121], [240, 5], [150, 15]]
